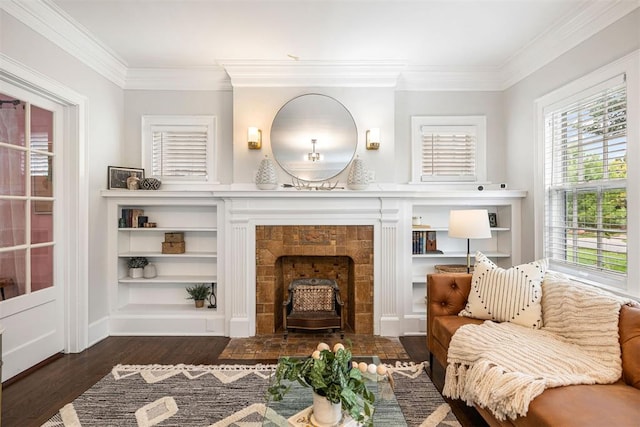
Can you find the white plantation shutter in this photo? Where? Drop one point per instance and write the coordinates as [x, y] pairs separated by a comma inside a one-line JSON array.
[[180, 152], [448, 149], [585, 181], [448, 153], [179, 149]]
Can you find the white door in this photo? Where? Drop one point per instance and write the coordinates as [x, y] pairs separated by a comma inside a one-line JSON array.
[[31, 293]]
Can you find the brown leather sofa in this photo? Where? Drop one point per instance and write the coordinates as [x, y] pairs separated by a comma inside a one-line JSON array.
[[615, 404]]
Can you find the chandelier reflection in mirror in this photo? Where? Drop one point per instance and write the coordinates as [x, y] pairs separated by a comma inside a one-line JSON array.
[[313, 155]]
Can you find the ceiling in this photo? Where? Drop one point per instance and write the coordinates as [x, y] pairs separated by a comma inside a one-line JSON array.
[[482, 36]]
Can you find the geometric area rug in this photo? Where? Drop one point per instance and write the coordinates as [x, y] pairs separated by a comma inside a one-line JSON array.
[[221, 396]]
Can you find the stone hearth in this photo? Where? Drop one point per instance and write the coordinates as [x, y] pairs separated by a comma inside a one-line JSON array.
[[340, 252]]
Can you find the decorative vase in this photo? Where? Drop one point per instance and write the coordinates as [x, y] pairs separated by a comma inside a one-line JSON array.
[[150, 271], [325, 412], [133, 182], [199, 303], [266, 178], [136, 273], [358, 175]]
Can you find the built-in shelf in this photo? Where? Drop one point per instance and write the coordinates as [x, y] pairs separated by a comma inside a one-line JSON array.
[[167, 310], [153, 254], [461, 255], [159, 305], [172, 279], [429, 244], [169, 229], [419, 228]]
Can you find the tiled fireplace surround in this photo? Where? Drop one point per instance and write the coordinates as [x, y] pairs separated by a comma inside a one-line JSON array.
[[340, 252], [347, 235]]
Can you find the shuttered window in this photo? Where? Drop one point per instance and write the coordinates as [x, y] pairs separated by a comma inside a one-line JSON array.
[[448, 148], [179, 148], [449, 153], [585, 182], [180, 152]]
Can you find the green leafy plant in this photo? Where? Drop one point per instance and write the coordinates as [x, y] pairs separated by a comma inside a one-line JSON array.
[[198, 292], [330, 375], [137, 262]]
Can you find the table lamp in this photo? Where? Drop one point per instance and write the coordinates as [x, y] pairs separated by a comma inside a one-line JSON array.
[[469, 224]]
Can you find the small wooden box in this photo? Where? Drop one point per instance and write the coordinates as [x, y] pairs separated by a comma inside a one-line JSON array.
[[174, 237], [173, 247]]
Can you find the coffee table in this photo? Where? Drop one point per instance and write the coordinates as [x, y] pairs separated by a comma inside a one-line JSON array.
[[291, 410]]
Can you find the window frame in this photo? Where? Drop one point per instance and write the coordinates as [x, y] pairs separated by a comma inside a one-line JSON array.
[[210, 122], [478, 122], [570, 92]]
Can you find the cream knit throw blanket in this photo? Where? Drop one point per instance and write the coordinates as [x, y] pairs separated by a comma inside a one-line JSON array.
[[503, 366]]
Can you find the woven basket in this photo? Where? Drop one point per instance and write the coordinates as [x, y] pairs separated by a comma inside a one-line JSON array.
[[452, 268]]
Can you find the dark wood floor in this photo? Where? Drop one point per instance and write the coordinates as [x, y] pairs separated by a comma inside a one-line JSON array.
[[34, 398]]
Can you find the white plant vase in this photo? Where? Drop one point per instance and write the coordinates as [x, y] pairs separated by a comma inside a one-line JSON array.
[[325, 412], [266, 178], [358, 175], [136, 273], [150, 271]]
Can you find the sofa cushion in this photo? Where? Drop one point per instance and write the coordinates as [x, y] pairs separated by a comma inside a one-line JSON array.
[[445, 326], [584, 406], [630, 343], [511, 295]]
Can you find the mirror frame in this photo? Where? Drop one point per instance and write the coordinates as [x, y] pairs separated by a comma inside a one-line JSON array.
[[313, 116]]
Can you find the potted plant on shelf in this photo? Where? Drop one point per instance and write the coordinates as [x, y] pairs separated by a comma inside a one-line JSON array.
[[199, 293], [337, 383], [136, 266]]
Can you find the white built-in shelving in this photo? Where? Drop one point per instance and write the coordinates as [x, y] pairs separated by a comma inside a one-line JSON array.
[[502, 247], [159, 305]]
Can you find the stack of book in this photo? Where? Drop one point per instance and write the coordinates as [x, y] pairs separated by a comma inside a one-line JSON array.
[[133, 218], [424, 242]]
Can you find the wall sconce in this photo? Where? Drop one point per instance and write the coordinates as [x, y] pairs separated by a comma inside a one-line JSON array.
[[254, 138], [373, 139]]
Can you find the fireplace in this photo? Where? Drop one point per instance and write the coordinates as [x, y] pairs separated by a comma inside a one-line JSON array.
[[340, 252]]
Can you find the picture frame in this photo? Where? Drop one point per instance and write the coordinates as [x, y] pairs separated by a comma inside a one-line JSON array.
[[117, 176], [493, 219]]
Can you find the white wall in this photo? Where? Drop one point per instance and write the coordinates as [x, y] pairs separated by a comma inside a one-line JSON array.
[[608, 45], [370, 107], [215, 103], [104, 133], [487, 104]]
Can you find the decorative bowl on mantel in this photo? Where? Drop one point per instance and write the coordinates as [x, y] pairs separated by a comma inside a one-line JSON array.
[[150, 184]]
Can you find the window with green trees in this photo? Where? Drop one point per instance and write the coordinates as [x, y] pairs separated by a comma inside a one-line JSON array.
[[585, 179]]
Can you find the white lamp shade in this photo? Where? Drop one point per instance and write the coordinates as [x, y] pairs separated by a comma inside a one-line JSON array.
[[469, 224]]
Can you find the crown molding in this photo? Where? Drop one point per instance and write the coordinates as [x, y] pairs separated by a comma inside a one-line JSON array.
[[448, 79], [576, 27], [200, 78], [46, 18], [313, 73]]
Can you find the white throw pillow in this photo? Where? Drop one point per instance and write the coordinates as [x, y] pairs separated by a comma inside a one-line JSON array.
[[512, 295]]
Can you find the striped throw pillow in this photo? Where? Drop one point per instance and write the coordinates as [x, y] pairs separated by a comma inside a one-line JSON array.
[[512, 295]]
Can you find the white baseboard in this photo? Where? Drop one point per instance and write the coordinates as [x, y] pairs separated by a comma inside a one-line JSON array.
[[98, 330]]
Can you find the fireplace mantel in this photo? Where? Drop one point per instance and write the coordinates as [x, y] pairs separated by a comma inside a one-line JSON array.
[[388, 211]]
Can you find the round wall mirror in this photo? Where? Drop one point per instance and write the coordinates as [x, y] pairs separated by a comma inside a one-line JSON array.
[[313, 137]]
